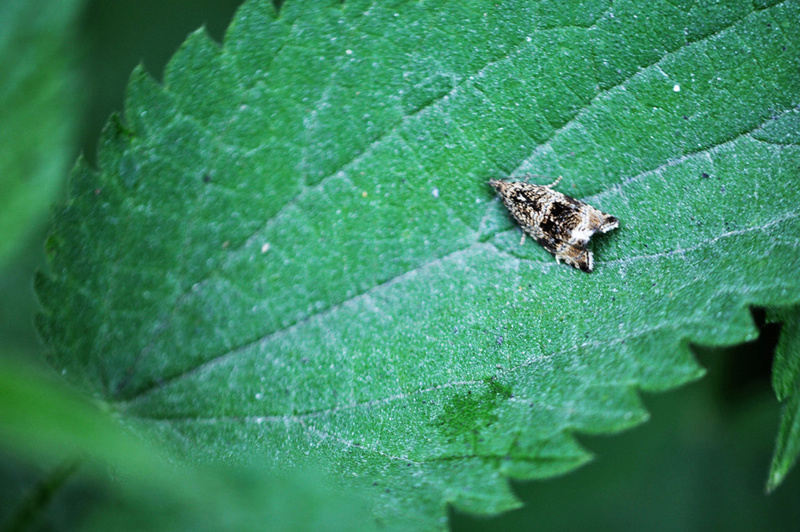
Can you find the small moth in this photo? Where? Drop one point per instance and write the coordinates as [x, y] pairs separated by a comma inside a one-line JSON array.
[[561, 224]]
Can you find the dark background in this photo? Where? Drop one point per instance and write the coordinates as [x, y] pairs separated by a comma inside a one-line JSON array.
[[700, 463]]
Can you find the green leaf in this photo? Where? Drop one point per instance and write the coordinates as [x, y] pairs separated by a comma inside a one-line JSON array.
[[38, 111], [701, 454], [786, 383], [290, 249]]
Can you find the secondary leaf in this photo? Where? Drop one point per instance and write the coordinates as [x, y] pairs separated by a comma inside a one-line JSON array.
[[44, 423], [37, 111], [786, 382], [290, 248]]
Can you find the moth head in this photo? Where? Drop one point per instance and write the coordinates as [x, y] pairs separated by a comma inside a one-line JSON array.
[[499, 185]]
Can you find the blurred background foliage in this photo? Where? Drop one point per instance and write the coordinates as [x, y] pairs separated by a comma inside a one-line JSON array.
[[700, 463]]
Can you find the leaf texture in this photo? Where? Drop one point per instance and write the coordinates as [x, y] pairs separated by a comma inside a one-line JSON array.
[[290, 249]]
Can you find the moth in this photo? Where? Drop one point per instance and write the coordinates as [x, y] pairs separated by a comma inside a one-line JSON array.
[[561, 224]]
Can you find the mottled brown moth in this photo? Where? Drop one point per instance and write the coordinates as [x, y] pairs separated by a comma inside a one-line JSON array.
[[561, 224]]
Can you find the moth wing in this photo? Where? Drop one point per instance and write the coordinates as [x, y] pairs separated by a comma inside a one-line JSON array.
[[550, 242], [592, 221], [576, 255], [600, 222]]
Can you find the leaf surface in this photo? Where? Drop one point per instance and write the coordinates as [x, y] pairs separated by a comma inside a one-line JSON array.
[[290, 249]]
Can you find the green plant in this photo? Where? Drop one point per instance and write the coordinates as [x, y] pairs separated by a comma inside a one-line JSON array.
[[289, 253]]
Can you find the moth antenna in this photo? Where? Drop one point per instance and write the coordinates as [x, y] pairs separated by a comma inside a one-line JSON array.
[[554, 183]]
